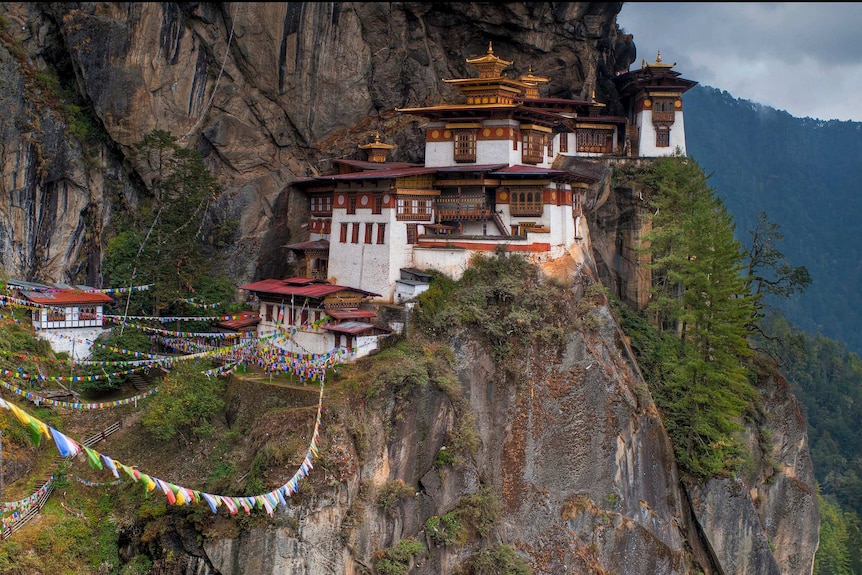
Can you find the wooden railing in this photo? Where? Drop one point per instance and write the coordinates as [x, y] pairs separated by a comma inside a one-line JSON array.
[[10, 527], [663, 117]]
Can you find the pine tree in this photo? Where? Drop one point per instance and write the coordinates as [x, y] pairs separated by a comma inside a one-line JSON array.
[[700, 294]]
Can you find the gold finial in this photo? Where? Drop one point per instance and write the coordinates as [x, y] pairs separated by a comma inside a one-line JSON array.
[[489, 65], [658, 57], [377, 150]]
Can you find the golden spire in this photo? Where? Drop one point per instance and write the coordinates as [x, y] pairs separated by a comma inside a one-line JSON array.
[[489, 65], [658, 63], [377, 150]]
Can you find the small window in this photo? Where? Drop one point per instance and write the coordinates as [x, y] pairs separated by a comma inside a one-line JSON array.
[[378, 204], [56, 314], [412, 233], [368, 227], [532, 146], [662, 138], [351, 203], [381, 233], [564, 143], [354, 238], [465, 145], [344, 233]]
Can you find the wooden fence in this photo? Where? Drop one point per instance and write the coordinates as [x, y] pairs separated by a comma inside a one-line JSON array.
[[11, 526]]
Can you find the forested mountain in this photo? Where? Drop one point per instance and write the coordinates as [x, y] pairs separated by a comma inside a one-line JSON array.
[[805, 175]]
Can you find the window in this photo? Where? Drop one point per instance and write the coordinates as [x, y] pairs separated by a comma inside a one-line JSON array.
[[592, 140], [381, 233], [412, 233], [663, 110], [368, 233], [550, 146], [269, 311], [354, 237], [662, 138], [465, 145], [321, 206], [415, 209], [87, 313], [532, 147], [344, 233], [564, 143], [378, 204], [351, 203], [526, 202], [56, 314]]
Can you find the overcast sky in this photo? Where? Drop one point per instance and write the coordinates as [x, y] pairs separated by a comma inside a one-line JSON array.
[[801, 57]]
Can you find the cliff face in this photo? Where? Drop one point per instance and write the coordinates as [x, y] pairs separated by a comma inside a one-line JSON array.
[[270, 92], [266, 91]]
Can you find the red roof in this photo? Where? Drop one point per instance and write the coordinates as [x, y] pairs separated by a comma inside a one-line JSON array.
[[303, 287], [350, 313], [67, 297], [378, 174], [240, 324], [354, 327], [522, 170], [312, 245]]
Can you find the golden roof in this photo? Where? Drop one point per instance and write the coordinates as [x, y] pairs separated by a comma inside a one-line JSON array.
[[530, 78], [657, 64], [489, 65], [376, 144]]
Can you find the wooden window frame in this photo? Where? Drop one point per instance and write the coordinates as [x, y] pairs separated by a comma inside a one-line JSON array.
[[351, 204], [343, 232], [412, 233], [381, 233], [464, 148], [368, 227], [533, 146], [662, 138], [354, 233]]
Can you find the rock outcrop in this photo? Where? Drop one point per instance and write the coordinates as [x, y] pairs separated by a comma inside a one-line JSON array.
[[271, 92]]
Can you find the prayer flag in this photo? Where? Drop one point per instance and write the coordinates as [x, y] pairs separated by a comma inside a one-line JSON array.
[[66, 446], [212, 501], [229, 503], [110, 463], [93, 458]]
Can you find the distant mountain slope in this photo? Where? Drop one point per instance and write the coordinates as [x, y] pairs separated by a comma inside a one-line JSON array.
[[806, 174]]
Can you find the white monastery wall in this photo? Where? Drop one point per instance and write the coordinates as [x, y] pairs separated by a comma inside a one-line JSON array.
[[646, 145], [451, 262], [77, 342]]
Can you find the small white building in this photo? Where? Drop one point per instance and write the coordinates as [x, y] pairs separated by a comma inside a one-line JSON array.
[[304, 316], [69, 317]]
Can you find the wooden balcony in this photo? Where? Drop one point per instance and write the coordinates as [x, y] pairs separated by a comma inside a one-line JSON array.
[[663, 117], [463, 213]]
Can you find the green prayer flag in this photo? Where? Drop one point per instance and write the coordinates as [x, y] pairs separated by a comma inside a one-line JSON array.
[[93, 458], [35, 432]]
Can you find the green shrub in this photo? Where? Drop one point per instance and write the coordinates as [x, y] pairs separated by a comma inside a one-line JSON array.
[[480, 511], [392, 494], [445, 530], [497, 560], [396, 560]]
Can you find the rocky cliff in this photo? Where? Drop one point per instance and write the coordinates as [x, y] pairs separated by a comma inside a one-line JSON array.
[[573, 445]]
